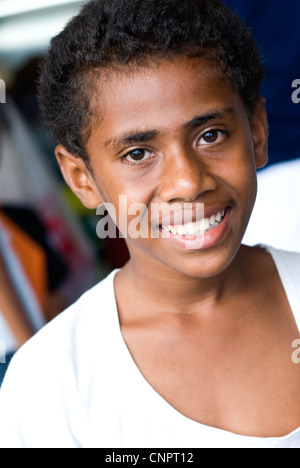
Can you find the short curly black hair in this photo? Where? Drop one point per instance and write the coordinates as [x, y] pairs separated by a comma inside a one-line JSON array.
[[107, 33]]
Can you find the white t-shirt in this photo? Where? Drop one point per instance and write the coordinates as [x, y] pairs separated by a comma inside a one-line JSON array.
[[75, 384]]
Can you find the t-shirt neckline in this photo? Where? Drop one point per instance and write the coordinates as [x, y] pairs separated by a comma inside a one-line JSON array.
[[167, 407]]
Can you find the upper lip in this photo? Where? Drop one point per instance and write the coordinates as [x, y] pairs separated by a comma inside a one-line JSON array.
[[193, 215]]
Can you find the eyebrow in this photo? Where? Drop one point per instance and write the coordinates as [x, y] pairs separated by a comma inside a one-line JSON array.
[[206, 118], [133, 138]]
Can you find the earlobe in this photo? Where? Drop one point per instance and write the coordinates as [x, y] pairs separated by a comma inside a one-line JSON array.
[[260, 134], [78, 177]]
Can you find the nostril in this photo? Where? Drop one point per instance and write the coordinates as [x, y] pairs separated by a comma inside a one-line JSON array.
[[187, 188]]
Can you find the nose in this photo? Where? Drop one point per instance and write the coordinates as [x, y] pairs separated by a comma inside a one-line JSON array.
[[185, 178]]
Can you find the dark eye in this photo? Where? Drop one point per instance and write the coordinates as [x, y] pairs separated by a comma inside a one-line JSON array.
[[137, 156], [211, 137]]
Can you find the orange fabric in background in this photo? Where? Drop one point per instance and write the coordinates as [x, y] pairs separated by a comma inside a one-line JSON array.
[[32, 258]]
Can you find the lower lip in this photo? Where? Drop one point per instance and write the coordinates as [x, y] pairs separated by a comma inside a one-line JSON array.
[[209, 239]]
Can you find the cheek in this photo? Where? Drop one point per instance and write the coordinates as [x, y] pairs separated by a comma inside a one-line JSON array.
[[244, 182], [131, 205], [119, 183], [239, 170]]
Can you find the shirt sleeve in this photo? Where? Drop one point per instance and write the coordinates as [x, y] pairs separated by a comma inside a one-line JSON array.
[[39, 402]]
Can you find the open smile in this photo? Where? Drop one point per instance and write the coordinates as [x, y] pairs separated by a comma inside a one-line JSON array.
[[199, 234], [196, 228]]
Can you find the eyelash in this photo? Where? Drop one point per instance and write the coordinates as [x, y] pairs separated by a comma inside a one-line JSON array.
[[214, 130], [137, 163], [142, 162]]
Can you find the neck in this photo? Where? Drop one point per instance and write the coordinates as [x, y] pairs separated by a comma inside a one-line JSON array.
[[153, 290]]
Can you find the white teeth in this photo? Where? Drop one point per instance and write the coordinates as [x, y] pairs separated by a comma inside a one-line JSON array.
[[198, 228], [219, 217], [181, 230], [192, 228], [212, 220], [204, 224]]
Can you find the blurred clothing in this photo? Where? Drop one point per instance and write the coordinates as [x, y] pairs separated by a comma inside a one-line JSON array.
[[35, 272], [29, 222], [40, 241], [276, 217], [275, 25], [24, 289], [26, 179]]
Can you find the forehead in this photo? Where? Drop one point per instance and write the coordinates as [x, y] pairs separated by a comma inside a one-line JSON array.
[[164, 94]]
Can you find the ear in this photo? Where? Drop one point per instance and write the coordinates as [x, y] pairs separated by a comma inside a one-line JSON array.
[[260, 133], [78, 177]]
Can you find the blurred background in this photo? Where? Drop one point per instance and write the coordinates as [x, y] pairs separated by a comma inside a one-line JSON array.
[[49, 250]]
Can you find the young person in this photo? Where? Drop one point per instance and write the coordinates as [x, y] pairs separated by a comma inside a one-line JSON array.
[[191, 343]]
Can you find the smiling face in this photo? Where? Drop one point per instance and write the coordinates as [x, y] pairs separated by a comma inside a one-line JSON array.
[[175, 133]]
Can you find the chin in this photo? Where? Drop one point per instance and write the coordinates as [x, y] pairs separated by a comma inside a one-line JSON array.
[[202, 264], [207, 265]]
